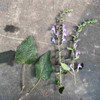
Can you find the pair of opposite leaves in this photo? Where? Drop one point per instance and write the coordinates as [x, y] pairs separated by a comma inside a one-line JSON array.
[[26, 53]]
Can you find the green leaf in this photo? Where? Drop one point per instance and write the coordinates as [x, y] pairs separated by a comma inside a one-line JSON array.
[[61, 89], [79, 29], [75, 30], [77, 58], [84, 24], [26, 52], [54, 80], [69, 48], [65, 66], [76, 41], [44, 66], [74, 36]]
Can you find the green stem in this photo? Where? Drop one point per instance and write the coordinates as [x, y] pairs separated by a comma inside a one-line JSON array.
[[60, 60], [74, 74], [34, 86], [23, 77], [21, 98]]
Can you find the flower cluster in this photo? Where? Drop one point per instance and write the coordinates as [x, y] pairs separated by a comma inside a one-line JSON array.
[[57, 31], [64, 33], [74, 51], [58, 38]]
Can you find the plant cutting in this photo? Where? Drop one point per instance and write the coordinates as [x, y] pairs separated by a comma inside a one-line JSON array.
[[59, 34], [26, 53], [59, 38], [75, 53]]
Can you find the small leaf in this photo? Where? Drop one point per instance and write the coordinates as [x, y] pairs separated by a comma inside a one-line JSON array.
[[74, 36], [54, 80], [84, 24], [26, 52], [65, 66], [69, 48], [79, 29], [61, 89], [64, 73], [44, 66], [75, 30], [77, 58], [23, 87], [76, 41]]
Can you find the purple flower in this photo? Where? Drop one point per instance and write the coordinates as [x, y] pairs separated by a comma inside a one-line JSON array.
[[53, 29], [79, 66], [53, 40], [63, 39], [64, 29], [75, 45], [77, 53], [70, 66], [56, 27], [57, 32], [64, 33], [78, 40], [64, 25]]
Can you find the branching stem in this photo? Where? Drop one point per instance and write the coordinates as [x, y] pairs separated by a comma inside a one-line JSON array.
[[22, 97]]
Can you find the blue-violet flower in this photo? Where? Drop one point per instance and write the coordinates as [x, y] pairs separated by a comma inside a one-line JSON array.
[[77, 53], [64, 25], [63, 39], [70, 66], [75, 45], [53, 40], [64, 33], [79, 66], [53, 29], [57, 32]]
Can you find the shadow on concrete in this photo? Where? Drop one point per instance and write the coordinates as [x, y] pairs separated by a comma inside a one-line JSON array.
[[7, 57]]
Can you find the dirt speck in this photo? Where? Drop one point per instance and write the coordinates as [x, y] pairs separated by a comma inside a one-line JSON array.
[[11, 28]]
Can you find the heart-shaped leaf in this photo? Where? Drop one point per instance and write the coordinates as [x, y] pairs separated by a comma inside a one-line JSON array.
[[44, 66], [65, 66], [26, 52]]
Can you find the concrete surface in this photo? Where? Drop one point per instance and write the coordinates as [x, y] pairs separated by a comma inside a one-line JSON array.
[[35, 17]]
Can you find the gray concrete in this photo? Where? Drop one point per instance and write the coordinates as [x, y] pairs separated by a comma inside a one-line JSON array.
[[35, 17]]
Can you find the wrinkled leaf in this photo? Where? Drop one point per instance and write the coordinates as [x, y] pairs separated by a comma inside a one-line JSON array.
[[61, 89], [44, 66], [26, 52], [54, 80], [69, 48], [65, 66]]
